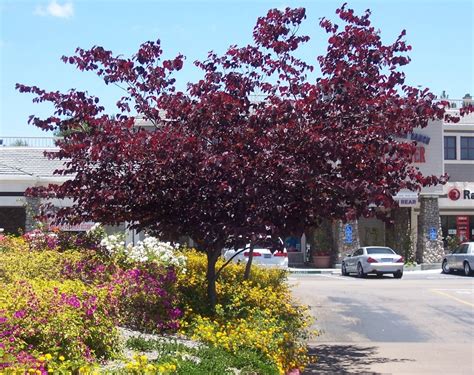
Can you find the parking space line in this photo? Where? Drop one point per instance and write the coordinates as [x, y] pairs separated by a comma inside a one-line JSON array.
[[457, 291], [337, 277], [450, 296]]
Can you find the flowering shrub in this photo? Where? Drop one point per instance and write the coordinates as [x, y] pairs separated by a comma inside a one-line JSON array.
[[7, 243], [145, 298], [114, 244], [192, 286], [148, 250], [66, 304], [151, 249], [19, 263], [79, 241], [140, 365], [65, 318], [46, 237], [258, 314], [39, 239], [58, 310], [90, 267]]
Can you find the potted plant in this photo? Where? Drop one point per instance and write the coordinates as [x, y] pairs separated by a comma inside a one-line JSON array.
[[321, 259], [321, 254]]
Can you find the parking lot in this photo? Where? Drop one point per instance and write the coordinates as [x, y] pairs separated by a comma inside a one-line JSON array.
[[423, 323]]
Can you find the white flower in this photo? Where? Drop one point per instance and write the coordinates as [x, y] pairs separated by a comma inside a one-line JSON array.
[[150, 249], [94, 227]]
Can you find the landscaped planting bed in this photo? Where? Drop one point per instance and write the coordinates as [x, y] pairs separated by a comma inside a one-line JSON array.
[[90, 304]]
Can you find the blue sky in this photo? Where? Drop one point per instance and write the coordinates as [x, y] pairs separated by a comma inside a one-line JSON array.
[[35, 34]]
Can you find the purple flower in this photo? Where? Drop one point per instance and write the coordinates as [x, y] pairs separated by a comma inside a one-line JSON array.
[[20, 314]]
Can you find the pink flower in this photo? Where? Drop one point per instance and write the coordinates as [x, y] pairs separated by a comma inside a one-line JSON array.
[[20, 314]]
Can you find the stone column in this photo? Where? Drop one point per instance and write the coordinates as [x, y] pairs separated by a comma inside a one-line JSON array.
[[32, 205], [427, 250], [340, 244]]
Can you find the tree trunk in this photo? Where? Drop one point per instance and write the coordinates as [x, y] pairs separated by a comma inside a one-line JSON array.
[[211, 278], [249, 262]]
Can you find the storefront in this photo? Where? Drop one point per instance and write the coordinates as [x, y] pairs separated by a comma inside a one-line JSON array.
[[456, 208]]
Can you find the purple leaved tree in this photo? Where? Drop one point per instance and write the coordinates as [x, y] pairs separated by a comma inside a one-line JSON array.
[[254, 148]]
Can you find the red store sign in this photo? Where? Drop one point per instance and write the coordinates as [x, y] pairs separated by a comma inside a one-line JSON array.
[[462, 227]]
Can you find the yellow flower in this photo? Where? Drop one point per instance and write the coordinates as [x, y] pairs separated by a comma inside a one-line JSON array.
[[48, 357], [41, 359], [61, 358]]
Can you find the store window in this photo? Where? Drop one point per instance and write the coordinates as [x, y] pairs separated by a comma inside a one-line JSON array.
[[457, 226], [450, 148], [467, 148], [12, 220], [292, 243]]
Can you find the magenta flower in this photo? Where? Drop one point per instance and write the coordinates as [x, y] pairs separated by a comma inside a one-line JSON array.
[[20, 314]]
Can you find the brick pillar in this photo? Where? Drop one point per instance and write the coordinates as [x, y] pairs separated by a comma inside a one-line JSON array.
[[427, 250], [340, 244]]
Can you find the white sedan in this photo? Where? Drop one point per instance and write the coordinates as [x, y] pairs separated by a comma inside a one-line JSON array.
[[262, 256], [373, 259], [462, 258]]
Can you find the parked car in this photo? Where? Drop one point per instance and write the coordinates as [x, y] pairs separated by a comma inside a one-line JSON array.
[[262, 255], [373, 259], [461, 259]]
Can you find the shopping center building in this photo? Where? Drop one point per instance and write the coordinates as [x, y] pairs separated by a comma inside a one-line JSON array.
[[422, 222]]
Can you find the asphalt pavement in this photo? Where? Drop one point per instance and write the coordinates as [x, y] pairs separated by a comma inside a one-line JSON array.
[[420, 324]]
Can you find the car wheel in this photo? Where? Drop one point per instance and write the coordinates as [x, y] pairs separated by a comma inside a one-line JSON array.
[[398, 274], [467, 269], [445, 267], [360, 271], [379, 275], [344, 270]]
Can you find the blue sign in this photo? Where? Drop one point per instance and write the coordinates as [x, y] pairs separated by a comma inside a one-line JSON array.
[[348, 230], [433, 234]]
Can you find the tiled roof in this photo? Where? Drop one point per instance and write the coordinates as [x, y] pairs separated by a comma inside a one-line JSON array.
[[24, 161]]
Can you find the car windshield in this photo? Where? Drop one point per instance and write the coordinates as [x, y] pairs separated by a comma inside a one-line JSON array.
[[380, 250]]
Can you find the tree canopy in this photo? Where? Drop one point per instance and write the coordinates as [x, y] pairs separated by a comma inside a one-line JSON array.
[[252, 148]]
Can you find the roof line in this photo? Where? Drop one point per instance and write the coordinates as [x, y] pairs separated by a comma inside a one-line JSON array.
[[19, 169]]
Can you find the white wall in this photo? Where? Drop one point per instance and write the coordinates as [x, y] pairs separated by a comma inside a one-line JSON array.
[[433, 155]]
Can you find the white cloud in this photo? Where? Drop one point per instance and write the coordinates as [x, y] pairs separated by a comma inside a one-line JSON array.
[[55, 9]]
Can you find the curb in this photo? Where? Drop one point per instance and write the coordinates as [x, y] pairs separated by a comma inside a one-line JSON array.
[[334, 271], [432, 268]]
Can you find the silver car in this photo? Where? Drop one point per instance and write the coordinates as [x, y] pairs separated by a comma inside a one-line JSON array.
[[373, 259], [461, 259]]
